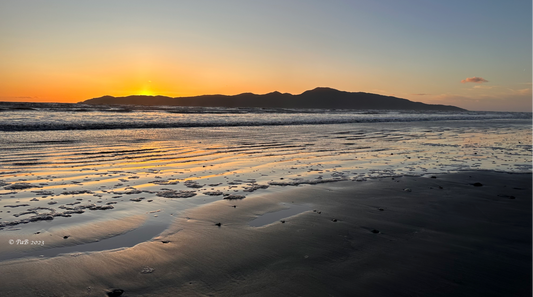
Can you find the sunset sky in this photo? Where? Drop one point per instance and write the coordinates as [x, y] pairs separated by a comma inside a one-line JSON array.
[[475, 54]]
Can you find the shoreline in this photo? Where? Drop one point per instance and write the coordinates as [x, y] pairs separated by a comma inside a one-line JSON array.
[[399, 236]]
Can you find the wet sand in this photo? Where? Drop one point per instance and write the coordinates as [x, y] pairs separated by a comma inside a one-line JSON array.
[[53, 180], [459, 234]]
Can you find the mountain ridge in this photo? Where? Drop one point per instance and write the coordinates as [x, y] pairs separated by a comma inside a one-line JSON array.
[[320, 97]]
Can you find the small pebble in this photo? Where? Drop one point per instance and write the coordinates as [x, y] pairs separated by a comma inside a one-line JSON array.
[[147, 270], [115, 293]]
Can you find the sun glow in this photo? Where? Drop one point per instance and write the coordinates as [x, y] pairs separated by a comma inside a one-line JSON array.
[[146, 89], [146, 93]]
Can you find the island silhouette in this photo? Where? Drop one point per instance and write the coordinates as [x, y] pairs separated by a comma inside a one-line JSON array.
[[321, 97]]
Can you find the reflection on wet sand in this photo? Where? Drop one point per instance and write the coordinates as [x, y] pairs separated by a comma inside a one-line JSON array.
[[112, 174]]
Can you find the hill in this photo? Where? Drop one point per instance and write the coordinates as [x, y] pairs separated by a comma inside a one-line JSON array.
[[327, 98]]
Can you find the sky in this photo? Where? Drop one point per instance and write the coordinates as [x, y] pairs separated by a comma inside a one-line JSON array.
[[474, 54]]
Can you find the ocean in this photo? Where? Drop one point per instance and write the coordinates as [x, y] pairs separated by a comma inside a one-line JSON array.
[[62, 116], [65, 166]]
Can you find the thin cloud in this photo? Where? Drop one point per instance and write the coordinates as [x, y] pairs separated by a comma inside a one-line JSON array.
[[474, 79], [523, 91]]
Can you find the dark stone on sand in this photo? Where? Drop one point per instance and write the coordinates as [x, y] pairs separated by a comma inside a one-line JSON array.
[[334, 220], [381, 209], [41, 217], [20, 186], [115, 293], [375, 231], [98, 207], [213, 193], [17, 205], [192, 184], [147, 270], [282, 221], [433, 176], [168, 193], [165, 241], [77, 192], [234, 197], [218, 224], [477, 184], [66, 236], [254, 187]]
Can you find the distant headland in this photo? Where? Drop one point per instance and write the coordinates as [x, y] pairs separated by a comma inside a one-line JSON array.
[[326, 98]]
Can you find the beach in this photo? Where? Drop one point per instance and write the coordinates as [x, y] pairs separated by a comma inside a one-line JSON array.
[[365, 239], [390, 205]]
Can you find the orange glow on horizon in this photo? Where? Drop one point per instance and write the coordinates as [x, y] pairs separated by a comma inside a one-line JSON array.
[[153, 71]]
